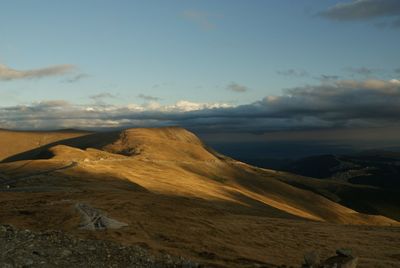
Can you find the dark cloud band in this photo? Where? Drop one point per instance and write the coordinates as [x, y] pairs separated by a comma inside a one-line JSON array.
[[338, 104]]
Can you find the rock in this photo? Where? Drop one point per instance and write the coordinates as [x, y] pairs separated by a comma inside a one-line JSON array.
[[94, 219], [66, 253], [311, 259], [28, 262], [344, 252], [343, 259], [7, 265], [340, 262], [25, 248]]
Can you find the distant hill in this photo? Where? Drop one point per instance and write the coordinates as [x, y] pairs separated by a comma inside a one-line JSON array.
[[376, 168]]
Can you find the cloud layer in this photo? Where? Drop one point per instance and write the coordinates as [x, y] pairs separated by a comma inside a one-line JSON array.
[[340, 104], [7, 73]]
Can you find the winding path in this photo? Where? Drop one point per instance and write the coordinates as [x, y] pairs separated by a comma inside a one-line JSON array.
[[6, 181]]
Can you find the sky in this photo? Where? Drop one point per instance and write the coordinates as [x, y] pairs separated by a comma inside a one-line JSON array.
[[240, 67]]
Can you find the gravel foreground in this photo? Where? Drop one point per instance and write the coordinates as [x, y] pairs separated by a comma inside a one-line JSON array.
[[24, 248]]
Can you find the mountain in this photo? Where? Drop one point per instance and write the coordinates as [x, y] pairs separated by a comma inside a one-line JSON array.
[[375, 168], [165, 189]]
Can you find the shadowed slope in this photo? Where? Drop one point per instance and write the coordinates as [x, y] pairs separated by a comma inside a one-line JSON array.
[[16, 142], [82, 140]]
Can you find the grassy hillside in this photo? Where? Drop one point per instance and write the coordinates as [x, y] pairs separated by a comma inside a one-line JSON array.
[[177, 195]]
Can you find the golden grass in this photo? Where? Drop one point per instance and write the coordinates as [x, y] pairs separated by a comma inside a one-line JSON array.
[[177, 195]]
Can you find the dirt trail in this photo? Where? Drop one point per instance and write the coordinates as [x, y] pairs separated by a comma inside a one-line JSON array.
[[7, 181]]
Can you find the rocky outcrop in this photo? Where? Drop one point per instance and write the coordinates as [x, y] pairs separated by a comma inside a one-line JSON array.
[[343, 259], [94, 219], [24, 248]]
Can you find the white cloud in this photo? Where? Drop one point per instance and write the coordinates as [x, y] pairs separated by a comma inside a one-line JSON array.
[[187, 106]]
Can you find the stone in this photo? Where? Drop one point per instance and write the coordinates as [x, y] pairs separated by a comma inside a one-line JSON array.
[[343, 259], [344, 252], [66, 253], [28, 262], [94, 219], [57, 249], [340, 262], [312, 259]]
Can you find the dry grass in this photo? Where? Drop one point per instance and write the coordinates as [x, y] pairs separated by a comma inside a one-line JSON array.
[[178, 196]]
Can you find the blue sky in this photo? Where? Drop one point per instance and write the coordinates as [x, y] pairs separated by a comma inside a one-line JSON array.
[[151, 55]]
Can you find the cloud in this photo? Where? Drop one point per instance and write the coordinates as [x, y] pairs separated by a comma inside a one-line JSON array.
[[61, 114], [202, 19], [76, 78], [148, 97], [235, 87], [292, 72], [363, 10], [365, 71], [7, 73], [47, 104], [326, 77], [188, 106], [102, 96], [341, 104]]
